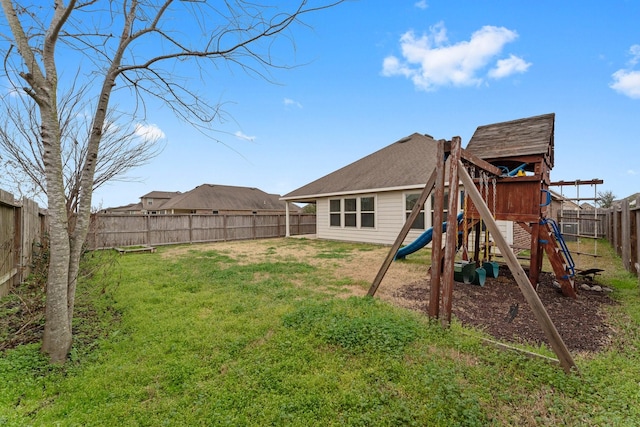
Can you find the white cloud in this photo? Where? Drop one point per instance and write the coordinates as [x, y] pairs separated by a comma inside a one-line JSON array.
[[627, 81], [422, 4], [632, 172], [288, 102], [149, 132], [241, 135], [509, 66], [431, 61]]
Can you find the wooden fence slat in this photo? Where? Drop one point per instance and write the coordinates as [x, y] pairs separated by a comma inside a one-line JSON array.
[[21, 228], [114, 230]]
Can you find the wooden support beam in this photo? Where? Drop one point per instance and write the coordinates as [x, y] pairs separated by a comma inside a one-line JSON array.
[[535, 263], [479, 163], [452, 231], [403, 234], [558, 345], [436, 242]]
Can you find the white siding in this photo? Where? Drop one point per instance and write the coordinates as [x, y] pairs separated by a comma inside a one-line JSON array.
[[389, 218]]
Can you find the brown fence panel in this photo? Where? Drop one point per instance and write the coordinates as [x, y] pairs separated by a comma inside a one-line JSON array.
[[267, 226], [21, 227], [8, 264], [166, 229], [112, 230], [239, 227], [208, 228], [621, 225]]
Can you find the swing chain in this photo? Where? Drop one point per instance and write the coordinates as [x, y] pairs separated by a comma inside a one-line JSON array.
[[494, 182]]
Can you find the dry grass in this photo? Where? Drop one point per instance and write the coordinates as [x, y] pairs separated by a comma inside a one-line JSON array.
[[355, 263]]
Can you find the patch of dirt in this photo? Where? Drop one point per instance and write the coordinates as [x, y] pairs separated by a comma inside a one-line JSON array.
[[500, 309]]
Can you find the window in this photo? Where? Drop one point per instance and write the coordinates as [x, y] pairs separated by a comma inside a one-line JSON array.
[[334, 213], [352, 212], [367, 212], [409, 203], [446, 204], [149, 202]]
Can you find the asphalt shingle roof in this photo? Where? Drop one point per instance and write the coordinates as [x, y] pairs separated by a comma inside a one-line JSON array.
[[225, 197], [407, 162], [528, 136]]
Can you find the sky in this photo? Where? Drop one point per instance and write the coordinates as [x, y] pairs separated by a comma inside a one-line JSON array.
[[374, 71]]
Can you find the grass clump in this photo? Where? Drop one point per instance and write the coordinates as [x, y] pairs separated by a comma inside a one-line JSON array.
[[358, 325]]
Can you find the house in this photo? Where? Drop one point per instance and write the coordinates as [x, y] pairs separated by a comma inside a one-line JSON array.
[[369, 200], [152, 203], [224, 200], [207, 199]]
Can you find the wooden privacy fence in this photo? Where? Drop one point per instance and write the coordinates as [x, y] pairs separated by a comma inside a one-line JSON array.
[[621, 228], [21, 227], [582, 223], [111, 230]]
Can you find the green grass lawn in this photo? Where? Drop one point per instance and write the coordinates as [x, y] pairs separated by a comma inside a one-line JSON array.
[[205, 336]]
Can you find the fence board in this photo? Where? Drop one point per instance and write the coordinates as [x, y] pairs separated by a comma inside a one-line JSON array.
[[113, 230], [621, 225], [21, 227]]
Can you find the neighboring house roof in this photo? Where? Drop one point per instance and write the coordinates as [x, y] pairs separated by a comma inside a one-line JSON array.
[[160, 195], [528, 136], [126, 208], [406, 163], [225, 197], [632, 201]]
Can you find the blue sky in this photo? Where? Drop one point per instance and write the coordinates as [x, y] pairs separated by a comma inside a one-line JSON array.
[[375, 71]]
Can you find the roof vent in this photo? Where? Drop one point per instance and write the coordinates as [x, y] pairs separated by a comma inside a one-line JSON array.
[[404, 140]]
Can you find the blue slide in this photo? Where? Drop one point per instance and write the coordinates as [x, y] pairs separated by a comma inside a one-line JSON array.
[[423, 240]]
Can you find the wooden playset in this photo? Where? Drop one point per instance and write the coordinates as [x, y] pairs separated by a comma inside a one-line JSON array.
[[505, 174]]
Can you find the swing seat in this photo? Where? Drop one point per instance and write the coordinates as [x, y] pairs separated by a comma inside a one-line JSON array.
[[491, 268], [467, 273], [479, 277], [464, 272]]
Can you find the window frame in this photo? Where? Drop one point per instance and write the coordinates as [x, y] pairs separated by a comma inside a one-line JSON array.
[[422, 214], [353, 218]]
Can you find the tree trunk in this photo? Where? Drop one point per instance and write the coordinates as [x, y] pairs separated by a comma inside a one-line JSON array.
[[57, 338]]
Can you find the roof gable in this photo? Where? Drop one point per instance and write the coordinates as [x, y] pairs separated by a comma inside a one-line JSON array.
[[522, 137], [407, 162]]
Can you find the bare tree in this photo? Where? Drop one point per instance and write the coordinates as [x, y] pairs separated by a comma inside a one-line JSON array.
[[123, 147], [605, 199], [139, 47]]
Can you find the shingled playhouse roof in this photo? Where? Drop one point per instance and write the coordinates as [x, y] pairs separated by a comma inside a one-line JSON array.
[[522, 137], [406, 163]]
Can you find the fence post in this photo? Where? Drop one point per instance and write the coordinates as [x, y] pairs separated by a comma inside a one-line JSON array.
[[625, 235], [253, 226]]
